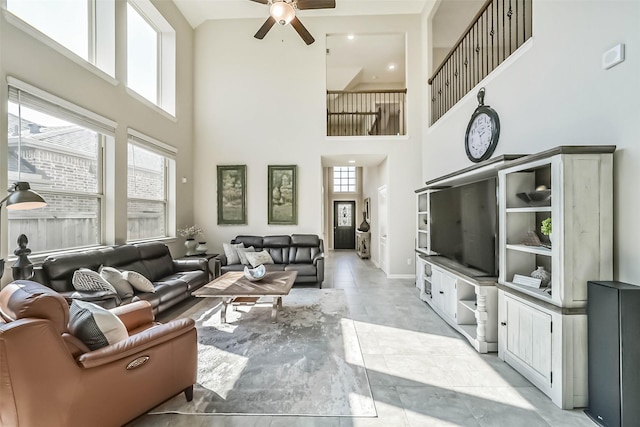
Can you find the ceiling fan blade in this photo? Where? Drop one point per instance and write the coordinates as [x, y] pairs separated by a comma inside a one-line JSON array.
[[261, 1], [302, 31], [315, 4], [265, 28]]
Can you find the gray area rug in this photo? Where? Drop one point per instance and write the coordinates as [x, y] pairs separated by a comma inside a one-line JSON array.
[[309, 363]]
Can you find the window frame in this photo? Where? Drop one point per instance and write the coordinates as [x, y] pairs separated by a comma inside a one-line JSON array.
[[39, 100], [348, 170], [168, 153]]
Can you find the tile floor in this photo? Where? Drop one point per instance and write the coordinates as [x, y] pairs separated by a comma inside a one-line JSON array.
[[422, 372]]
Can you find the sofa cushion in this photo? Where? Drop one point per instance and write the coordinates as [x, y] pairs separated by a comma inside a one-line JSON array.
[[302, 269], [305, 240], [255, 241], [59, 268], [279, 255], [157, 260], [121, 285], [276, 241], [95, 326], [138, 281], [258, 258], [231, 252], [88, 280], [243, 256]]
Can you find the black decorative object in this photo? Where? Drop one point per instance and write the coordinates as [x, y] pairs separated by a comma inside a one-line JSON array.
[[364, 226], [22, 269], [483, 131]]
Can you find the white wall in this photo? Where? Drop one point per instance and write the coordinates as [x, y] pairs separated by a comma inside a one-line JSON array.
[[262, 102], [27, 59], [556, 93]]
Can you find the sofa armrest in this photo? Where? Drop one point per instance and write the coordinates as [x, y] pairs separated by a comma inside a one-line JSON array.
[[135, 315], [139, 342], [222, 258], [319, 263], [104, 299], [191, 264]]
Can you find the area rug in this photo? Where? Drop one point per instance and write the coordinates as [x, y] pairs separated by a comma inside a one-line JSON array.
[[309, 363]]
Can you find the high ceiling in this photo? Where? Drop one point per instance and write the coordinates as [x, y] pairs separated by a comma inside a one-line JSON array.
[[198, 11]]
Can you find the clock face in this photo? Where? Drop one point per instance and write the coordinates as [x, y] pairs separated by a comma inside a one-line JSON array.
[[479, 139], [482, 134]]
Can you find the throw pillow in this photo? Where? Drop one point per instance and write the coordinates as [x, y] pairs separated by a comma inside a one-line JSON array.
[[231, 252], [138, 281], [94, 325], [114, 277], [243, 256], [258, 258], [88, 280]]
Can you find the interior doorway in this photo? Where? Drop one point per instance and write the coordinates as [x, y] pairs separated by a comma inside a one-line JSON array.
[[344, 224]]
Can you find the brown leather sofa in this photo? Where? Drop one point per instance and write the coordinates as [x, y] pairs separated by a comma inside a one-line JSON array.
[[173, 280], [303, 253], [50, 378]]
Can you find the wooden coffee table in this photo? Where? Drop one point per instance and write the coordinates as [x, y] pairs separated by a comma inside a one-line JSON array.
[[234, 288]]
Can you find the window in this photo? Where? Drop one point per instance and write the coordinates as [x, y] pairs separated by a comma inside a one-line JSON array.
[[344, 179], [151, 55], [59, 152], [148, 183], [84, 27]]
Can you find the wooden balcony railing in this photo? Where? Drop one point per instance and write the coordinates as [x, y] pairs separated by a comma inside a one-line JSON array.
[[499, 28], [377, 112]]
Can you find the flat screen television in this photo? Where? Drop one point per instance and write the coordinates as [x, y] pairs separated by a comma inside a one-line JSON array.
[[464, 224]]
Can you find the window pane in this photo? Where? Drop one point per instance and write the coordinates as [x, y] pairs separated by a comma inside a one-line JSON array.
[[57, 158], [142, 55], [146, 180], [146, 174], [65, 21], [344, 179], [146, 219]]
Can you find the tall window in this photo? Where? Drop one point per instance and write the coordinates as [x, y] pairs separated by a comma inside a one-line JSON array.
[[148, 186], [84, 27], [151, 53], [344, 179], [59, 152]]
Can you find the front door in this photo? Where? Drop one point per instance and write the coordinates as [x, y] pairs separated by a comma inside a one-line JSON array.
[[344, 225]]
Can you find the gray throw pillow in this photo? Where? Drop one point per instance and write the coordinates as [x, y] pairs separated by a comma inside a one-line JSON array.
[[88, 280], [231, 252], [94, 325], [258, 258], [114, 277], [243, 256]]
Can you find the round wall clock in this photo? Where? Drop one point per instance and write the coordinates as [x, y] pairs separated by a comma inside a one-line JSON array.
[[483, 131]]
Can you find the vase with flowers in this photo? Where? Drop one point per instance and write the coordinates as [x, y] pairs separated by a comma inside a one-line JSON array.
[[190, 234]]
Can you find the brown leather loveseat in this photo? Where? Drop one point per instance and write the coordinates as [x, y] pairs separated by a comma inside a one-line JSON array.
[[51, 378], [173, 280]]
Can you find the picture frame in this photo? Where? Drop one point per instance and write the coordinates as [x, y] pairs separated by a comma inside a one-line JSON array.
[[282, 195], [232, 194], [367, 209]]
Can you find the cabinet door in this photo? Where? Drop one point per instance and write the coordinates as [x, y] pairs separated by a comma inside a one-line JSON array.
[[450, 301], [437, 293], [529, 337]]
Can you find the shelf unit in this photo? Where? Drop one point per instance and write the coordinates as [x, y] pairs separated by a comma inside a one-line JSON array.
[[543, 331], [467, 303]]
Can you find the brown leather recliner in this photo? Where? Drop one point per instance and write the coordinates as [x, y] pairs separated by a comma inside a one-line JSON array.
[[50, 378]]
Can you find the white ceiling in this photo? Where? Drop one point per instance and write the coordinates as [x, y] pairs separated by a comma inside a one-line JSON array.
[[199, 11]]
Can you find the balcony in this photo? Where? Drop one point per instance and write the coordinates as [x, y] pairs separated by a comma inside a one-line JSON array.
[[366, 113]]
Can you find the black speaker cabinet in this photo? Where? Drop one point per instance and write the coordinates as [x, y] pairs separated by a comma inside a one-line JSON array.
[[614, 353]]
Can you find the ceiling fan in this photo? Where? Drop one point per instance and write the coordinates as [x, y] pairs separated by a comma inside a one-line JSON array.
[[284, 12]]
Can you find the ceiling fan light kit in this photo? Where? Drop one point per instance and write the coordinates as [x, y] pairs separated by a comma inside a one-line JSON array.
[[284, 12]]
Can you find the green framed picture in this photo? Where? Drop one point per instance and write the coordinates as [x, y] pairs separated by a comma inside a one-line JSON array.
[[232, 194], [282, 195]]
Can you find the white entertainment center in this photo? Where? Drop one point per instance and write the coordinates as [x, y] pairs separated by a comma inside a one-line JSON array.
[[541, 332]]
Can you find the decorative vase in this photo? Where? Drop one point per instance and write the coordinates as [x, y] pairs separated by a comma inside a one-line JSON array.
[[190, 244], [365, 225], [202, 248], [543, 275]]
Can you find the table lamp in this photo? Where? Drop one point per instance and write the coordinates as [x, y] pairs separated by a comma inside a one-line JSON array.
[[21, 197]]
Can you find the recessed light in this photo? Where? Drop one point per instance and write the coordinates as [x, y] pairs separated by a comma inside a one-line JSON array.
[[351, 36], [392, 66], [352, 161]]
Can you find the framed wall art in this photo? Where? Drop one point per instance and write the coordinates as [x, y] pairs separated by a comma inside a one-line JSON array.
[[232, 194], [282, 195]]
